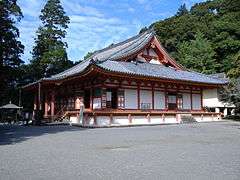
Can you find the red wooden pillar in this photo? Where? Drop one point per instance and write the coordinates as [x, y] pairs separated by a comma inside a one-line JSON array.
[[34, 106], [166, 98], [46, 106], [201, 99], [191, 97], [52, 105], [91, 98], [138, 95], [35, 102], [39, 104], [152, 96]]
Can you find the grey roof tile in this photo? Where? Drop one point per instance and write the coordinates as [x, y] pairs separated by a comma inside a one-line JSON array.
[[159, 71], [113, 52], [106, 59]]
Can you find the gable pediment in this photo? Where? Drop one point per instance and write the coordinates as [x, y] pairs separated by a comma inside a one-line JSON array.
[[155, 53]]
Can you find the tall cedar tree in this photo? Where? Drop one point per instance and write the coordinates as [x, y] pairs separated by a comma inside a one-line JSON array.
[[10, 48], [198, 55], [182, 10], [49, 52]]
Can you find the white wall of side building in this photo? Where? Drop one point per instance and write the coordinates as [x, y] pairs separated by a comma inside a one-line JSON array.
[[131, 99], [146, 97], [211, 99]]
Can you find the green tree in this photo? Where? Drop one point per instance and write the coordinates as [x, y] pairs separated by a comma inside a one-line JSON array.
[[198, 55], [89, 54], [231, 94], [182, 10], [49, 52], [10, 48], [144, 29], [234, 72], [218, 20]]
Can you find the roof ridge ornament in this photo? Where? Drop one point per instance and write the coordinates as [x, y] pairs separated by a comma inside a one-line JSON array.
[[94, 61]]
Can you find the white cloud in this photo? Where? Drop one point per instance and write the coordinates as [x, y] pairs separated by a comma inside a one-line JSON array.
[[88, 33], [130, 9], [31, 8], [74, 7], [94, 24], [141, 1]]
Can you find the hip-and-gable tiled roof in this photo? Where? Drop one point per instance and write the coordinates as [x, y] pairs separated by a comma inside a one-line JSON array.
[[109, 59]]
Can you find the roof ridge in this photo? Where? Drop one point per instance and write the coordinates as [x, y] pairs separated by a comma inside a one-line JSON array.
[[75, 66], [129, 46], [123, 42], [150, 31]]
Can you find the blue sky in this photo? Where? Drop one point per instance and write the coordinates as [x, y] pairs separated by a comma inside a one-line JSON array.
[[94, 24]]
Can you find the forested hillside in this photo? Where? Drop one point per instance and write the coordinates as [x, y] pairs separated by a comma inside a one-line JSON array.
[[205, 38]]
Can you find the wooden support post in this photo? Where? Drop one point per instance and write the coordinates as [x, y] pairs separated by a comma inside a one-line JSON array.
[[91, 98], [39, 107], [52, 105], [129, 118], [191, 98], [166, 97], [86, 120], [138, 95], [34, 106], [111, 119], [152, 96], [149, 118], [94, 119], [46, 106], [163, 118], [202, 99]]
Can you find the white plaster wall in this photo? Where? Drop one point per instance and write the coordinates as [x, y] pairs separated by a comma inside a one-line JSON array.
[[130, 98], [207, 118], [156, 120], [141, 59], [196, 101], [154, 61], [186, 100], [152, 52], [198, 118], [146, 97], [159, 100], [103, 120], [139, 120], [120, 120], [73, 119], [210, 99], [170, 119]]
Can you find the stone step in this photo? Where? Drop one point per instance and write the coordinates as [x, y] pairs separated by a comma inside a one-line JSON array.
[[186, 118]]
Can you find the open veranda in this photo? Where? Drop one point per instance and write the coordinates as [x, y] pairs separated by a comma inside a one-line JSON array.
[[185, 151]]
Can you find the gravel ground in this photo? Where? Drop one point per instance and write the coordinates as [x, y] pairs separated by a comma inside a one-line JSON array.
[[186, 151]]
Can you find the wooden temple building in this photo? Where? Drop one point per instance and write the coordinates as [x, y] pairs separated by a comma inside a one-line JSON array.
[[134, 82]]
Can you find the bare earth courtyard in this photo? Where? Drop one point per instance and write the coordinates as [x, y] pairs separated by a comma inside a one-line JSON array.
[[186, 151]]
